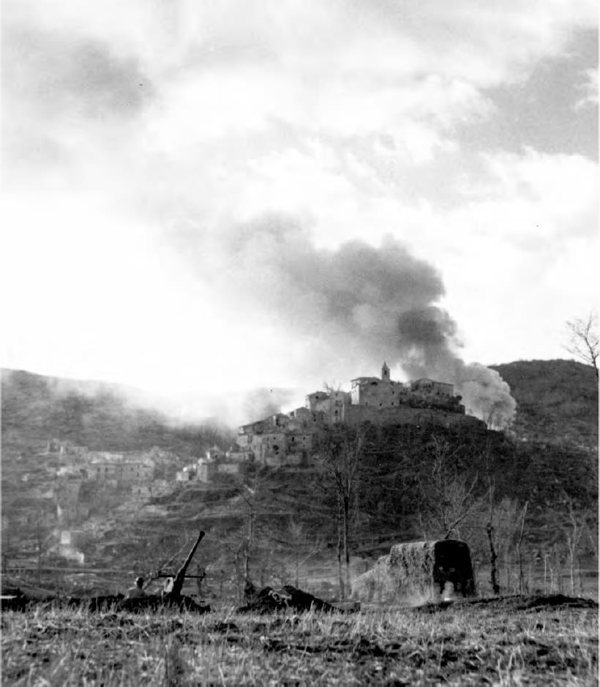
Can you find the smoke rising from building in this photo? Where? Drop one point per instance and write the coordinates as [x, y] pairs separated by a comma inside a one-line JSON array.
[[263, 402], [356, 303]]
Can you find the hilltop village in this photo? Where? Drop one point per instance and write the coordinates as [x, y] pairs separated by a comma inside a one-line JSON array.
[[280, 440], [75, 483], [290, 439]]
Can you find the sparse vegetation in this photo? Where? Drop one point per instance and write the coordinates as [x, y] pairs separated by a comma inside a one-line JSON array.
[[557, 401], [463, 645], [100, 416], [538, 492], [584, 342]]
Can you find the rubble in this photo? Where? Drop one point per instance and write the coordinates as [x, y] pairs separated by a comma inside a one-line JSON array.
[[269, 600]]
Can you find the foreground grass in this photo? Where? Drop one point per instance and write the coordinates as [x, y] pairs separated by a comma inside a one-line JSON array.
[[457, 646]]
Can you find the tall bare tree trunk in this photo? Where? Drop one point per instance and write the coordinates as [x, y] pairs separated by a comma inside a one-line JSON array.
[[38, 532], [557, 570], [248, 546], [573, 533], [519, 550], [572, 570], [490, 534], [340, 549], [493, 558], [346, 544]]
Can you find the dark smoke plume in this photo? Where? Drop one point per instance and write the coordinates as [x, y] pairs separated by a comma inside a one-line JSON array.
[[360, 303]]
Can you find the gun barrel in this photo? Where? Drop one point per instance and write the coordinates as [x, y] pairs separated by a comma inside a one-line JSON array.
[[180, 575]]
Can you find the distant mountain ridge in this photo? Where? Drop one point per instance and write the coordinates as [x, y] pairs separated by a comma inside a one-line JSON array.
[[557, 401], [101, 416]]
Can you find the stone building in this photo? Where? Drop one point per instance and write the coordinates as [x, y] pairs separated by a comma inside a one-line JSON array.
[[290, 439], [217, 462], [186, 474], [116, 467]]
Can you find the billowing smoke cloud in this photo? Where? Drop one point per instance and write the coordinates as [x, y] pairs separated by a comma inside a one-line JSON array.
[[260, 403], [356, 303], [426, 341]]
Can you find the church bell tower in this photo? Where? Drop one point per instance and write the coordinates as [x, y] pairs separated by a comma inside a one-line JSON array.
[[385, 373]]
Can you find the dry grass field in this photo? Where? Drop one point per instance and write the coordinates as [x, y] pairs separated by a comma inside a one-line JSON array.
[[496, 643]]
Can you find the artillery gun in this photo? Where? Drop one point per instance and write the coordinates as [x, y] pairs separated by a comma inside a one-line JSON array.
[[172, 597], [175, 592]]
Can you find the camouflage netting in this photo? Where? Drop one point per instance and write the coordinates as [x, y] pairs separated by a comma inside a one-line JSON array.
[[418, 572]]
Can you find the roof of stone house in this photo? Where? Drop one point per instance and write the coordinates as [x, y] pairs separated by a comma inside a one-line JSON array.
[[428, 379]]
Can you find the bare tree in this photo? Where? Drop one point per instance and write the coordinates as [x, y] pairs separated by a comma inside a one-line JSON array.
[[256, 545], [508, 523], [574, 527], [522, 518], [304, 546], [449, 496], [489, 528], [341, 452], [249, 497], [248, 540], [584, 342], [497, 528]]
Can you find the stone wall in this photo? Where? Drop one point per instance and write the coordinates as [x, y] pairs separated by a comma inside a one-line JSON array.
[[404, 415]]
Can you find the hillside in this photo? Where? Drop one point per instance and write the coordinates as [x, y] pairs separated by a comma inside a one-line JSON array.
[[557, 401], [280, 522], [39, 505], [36, 408]]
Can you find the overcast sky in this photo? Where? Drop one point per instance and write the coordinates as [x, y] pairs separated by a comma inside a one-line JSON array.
[[219, 194]]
